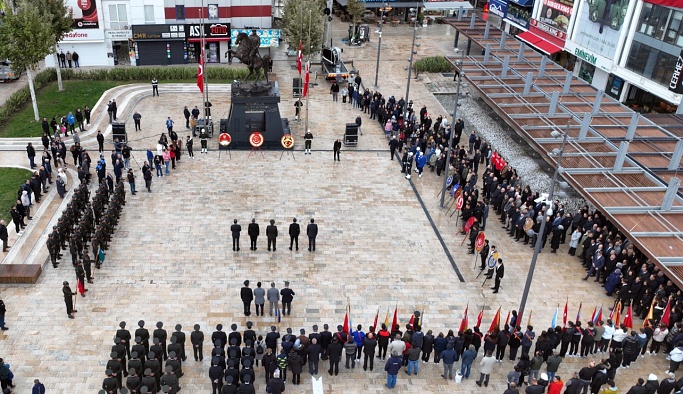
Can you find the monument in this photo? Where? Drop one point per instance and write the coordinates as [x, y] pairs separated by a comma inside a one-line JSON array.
[[254, 112]]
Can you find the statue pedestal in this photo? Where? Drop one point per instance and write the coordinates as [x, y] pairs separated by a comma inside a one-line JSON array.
[[255, 108]]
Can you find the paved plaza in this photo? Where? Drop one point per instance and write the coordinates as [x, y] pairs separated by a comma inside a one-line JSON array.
[[379, 246]]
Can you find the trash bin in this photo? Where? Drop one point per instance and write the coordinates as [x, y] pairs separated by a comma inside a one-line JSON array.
[[458, 377]]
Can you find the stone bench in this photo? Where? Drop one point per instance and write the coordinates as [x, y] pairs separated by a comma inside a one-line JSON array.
[[20, 273]]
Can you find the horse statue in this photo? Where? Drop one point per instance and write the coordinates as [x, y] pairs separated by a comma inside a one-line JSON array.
[[247, 53]]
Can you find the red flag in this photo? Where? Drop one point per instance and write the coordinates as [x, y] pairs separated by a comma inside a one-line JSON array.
[[299, 58], [666, 315], [593, 314], [481, 316], [394, 321], [578, 314], [564, 314], [307, 80], [412, 321], [200, 73], [346, 324], [616, 312], [496, 322], [465, 320], [628, 319], [376, 317], [507, 319]]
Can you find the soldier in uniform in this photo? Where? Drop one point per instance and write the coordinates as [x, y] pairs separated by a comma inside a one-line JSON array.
[[53, 246], [123, 335], [170, 380], [87, 267], [135, 364], [80, 277], [154, 363], [143, 333], [114, 365], [120, 350], [197, 340], [162, 335], [138, 348], [308, 139], [180, 339], [249, 335], [219, 335], [157, 349], [68, 300], [216, 375], [149, 381], [110, 384], [232, 372], [174, 347], [235, 335], [203, 139], [175, 364], [133, 382]]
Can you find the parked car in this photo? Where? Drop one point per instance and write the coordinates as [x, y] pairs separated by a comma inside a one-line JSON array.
[[7, 73]]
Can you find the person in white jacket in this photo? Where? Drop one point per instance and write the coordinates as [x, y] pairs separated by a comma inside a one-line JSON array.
[[658, 338], [486, 365], [606, 336], [675, 358]]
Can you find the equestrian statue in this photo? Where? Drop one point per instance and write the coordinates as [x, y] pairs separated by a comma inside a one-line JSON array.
[[247, 53]]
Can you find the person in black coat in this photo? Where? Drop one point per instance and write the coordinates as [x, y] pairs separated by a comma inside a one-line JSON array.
[[247, 297], [312, 232], [500, 273], [253, 231], [216, 376], [271, 233], [287, 298], [294, 231], [275, 384], [3, 235], [235, 229], [334, 352], [369, 345]]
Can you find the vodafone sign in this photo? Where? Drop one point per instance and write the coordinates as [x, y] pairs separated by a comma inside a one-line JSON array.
[[84, 35]]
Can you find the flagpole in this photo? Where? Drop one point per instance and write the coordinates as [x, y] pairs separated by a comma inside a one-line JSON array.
[[205, 79], [308, 65]]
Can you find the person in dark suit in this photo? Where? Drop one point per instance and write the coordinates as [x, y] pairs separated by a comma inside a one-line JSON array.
[[253, 231], [294, 231], [3, 236], [271, 233], [500, 272], [235, 229], [287, 298], [312, 232], [247, 296]]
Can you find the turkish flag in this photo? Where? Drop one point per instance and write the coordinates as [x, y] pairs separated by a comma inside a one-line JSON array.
[[564, 314], [465, 321], [307, 79], [299, 58], [200, 74]]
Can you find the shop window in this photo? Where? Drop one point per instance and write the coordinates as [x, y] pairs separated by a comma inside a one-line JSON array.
[[118, 17], [587, 71], [673, 30], [180, 12], [637, 58], [149, 14]]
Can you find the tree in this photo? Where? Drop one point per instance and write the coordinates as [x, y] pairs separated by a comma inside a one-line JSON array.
[[298, 16], [61, 18], [25, 39], [356, 9]]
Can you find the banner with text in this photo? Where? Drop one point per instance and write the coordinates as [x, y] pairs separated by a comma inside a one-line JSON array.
[[84, 13], [554, 17], [599, 26], [269, 37]]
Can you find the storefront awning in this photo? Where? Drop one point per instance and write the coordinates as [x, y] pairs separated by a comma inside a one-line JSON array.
[[447, 5], [523, 3], [544, 46]]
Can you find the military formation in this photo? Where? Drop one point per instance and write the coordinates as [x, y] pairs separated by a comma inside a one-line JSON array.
[[141, 364]]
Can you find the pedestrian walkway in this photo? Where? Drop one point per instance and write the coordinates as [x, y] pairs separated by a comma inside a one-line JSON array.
[[171, 258]]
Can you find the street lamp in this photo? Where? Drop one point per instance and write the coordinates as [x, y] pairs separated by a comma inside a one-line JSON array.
[[413, 16], [549, 212], [461, 72], [386, 9]]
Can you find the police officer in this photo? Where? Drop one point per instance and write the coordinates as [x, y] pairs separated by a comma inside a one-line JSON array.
[[124, 336], [162, 335], [203, 139], [68, 300], [308, 138], [180, 339], [197, 340]]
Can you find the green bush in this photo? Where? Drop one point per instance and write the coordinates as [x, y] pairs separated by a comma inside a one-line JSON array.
[[433, 64]]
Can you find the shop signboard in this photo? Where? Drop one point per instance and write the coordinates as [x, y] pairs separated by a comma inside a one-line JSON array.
[[211, 30], [83, 35], [84, 13], [118, 35], [554, 17], [158, 32], [676, 84], [498, 7], [600, 23], [269, 37], [588, 56]]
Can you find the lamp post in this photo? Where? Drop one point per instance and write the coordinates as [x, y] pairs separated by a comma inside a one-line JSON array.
[[387, 9], [413, 13], [455, 112], [549, 212]]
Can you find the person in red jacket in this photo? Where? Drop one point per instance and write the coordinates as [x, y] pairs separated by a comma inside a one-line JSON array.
[[555, 387]]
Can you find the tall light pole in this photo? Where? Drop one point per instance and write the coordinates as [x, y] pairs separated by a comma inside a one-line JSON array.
[[461, 72], [413, 13], [387, 9], [549, 212]]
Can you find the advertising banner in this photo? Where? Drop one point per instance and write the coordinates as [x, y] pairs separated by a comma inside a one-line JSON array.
[[498, 7], [518, 14], [600, 23], [269, 37], [554, 17], [676, 84], [84, 13]]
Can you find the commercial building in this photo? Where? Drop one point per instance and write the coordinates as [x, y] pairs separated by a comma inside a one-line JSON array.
[[630, 49], [162, 32]]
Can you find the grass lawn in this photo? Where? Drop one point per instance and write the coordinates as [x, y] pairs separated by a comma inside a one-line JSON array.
[[10, 180], [52, 102]]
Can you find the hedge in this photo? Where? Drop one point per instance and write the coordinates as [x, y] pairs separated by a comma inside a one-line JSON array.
[[433, 64], [129, 74]]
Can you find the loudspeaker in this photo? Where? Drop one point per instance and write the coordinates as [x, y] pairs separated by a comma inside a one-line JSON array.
[[118, 130]]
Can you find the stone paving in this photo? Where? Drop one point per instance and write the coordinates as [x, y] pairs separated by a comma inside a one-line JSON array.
[[171, 258]]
